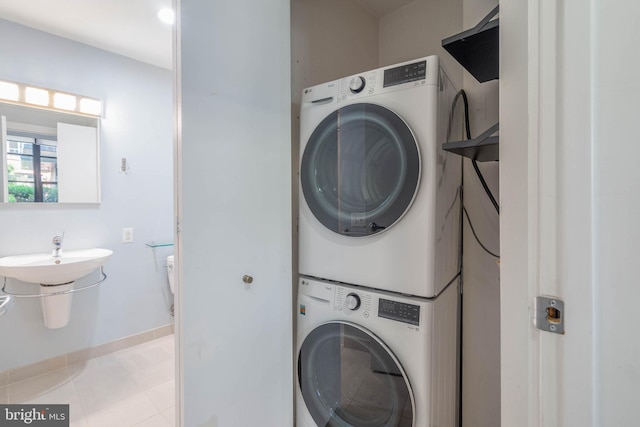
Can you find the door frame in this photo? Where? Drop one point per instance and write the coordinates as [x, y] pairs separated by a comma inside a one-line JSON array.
[[177, 209], [546, 235]]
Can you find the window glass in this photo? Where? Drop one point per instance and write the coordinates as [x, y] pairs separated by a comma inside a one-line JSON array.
[[32, 170], [48, 169], [48, 150], [49, 193], [20, 168]]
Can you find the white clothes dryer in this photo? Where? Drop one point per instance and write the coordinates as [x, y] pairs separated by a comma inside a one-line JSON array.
[[370, 358], [379, 198]]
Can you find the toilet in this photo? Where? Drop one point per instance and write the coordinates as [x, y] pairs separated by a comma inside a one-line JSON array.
[[170, 272]]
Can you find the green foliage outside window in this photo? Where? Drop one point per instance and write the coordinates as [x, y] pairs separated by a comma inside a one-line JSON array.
[[50, 194], [20, 192], [25, 193]]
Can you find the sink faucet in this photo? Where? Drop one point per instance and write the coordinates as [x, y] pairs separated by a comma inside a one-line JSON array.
[[57, 246]]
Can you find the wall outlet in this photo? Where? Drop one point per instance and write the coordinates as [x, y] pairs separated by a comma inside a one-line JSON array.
[[127, 235]]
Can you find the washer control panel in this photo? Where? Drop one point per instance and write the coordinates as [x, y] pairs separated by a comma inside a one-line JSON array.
[[354, 301], [350, 301], [400, 311]]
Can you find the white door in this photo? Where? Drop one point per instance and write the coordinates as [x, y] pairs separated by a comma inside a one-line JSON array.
[[4, 190], [234, 208], [569, 219]]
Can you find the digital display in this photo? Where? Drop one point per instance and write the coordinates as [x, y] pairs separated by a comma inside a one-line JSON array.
[[388, 305], [402, 312], [405, 73]]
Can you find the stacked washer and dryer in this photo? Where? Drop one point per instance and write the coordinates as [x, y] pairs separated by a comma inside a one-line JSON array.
[[379, 251]]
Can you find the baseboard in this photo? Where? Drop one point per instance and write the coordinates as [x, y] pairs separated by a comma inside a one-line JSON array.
[[22, 373]]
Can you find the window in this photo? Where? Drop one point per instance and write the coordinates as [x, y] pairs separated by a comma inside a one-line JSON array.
[[32, 163]]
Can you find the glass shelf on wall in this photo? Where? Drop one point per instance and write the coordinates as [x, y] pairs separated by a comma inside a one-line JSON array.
[[158, 244]]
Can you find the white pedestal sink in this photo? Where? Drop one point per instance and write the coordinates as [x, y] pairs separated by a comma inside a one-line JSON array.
[[55, 276]]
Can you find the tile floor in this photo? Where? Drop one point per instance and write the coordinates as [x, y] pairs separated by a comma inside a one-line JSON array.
[[131, 387]]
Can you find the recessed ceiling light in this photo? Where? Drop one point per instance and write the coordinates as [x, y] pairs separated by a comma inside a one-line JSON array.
[[167, 15]]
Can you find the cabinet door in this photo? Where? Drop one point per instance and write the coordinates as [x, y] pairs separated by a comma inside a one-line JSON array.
[[234, 208], [78, 164]]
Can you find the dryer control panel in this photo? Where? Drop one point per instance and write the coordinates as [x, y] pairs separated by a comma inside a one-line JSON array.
[[405, 74]]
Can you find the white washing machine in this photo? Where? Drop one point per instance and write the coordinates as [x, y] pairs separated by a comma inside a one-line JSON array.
[[375, 359], [379, 198]]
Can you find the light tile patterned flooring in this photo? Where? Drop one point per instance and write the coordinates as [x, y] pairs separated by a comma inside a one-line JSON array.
[[131, 387]]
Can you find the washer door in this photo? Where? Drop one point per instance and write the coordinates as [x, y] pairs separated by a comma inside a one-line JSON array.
[[360, 170], [349, 378]]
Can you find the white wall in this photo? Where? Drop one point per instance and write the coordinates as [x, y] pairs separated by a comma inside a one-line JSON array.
[[137, 124], [616, 206]]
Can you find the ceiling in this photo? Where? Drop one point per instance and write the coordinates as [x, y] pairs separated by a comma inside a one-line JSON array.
[[126, 27]]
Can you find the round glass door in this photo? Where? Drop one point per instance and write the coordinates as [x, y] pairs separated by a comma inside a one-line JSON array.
[[349, 378], [360, 170]]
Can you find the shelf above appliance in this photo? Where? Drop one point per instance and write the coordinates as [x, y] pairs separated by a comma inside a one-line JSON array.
[[483, 148], [477, 49]]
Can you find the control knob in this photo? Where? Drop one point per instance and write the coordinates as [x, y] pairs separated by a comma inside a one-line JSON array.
[[352, 302], [357, 84]]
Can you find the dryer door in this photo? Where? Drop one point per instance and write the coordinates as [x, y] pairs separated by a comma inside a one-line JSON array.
[[349, 378], [360, 170]]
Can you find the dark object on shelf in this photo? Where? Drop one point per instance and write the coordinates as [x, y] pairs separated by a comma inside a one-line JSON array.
[[484, 148], [477, 49]]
